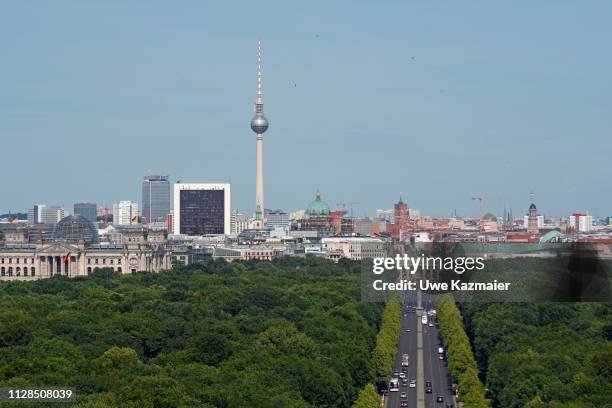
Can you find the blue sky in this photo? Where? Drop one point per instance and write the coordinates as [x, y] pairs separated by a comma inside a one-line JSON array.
[[438, 100]]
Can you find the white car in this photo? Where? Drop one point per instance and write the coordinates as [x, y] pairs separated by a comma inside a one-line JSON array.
[[412, 385], [430, 324]]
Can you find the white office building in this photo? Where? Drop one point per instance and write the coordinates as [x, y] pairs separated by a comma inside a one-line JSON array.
[[125, 213], [356, 248], [43, 214], [581, 222], [240, 222], [277, 219]]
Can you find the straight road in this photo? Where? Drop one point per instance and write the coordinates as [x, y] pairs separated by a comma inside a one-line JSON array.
[[429, 369]]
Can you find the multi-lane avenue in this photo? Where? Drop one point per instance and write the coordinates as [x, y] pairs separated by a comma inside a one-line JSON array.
[[420, 342]]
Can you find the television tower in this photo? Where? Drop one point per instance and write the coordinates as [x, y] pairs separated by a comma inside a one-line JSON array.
[[259, 124]]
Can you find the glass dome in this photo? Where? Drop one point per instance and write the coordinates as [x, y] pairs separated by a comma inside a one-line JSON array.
[[317, 208], [76, 228]]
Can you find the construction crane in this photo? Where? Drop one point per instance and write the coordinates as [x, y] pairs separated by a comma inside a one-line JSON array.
[[481, 204], [343, 204], [105, 214]]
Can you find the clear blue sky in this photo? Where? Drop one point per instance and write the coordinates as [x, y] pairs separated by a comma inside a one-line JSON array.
[[439, 100]]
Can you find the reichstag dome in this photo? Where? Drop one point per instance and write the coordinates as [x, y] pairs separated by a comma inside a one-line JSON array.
[[77, 229]]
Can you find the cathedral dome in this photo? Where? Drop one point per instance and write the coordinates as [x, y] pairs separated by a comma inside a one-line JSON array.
[[76, 228], [317, 208]]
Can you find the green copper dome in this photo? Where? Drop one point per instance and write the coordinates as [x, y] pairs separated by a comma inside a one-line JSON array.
[[317, 208]]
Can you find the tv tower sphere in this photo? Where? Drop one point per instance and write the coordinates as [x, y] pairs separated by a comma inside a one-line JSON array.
[[259, 123]]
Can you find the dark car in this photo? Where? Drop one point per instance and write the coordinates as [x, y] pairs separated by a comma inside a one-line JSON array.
[[449, 405], [427, 390], [404, 369], [440, 398], [428, 384]]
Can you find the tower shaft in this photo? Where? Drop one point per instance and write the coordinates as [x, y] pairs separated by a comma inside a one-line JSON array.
[[259, 190]]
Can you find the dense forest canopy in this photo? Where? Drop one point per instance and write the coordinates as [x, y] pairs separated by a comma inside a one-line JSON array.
[[287, 333], [544, 355]]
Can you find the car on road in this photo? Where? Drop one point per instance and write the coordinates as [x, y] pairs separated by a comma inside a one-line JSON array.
[[396, 374], [404, 403], [403, 395], [402, 375], [394, 385], [440, 398], [404, 369], [428, 384], [440, 356], [427, 390], [407, 330], [449, 405], [430, 324], [412, 385]]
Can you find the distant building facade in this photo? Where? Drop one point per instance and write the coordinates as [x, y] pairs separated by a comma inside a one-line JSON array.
[[155, 198], [277, 219], [581, 222], [202, 209], [74, 250], [87, 210], [125, 213], [43, 214], [362, 226], [240, 222], [355, 248]]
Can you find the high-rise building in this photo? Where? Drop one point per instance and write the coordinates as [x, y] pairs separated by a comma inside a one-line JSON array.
[[125, 213], [43, 214], [155, 198], [259, 124], [88, 210], [202, 209]]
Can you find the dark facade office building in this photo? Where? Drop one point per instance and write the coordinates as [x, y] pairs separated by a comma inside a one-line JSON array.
[[89, 211], [155, 198], [202, 209]]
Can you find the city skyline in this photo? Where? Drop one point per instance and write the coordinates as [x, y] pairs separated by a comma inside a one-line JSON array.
[[439, 116]]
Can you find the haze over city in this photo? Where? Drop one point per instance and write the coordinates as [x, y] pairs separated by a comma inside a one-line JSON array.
[[96, 96]]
